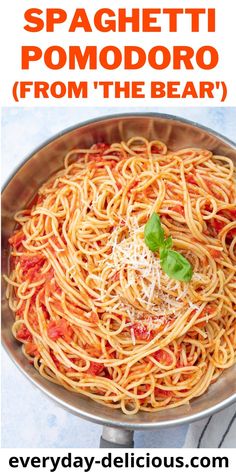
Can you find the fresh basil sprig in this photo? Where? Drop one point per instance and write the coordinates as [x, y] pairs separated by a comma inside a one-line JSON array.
[[175, 265], [154, 236], [172, 262]]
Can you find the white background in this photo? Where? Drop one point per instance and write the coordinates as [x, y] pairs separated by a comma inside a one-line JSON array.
[[14, 36]]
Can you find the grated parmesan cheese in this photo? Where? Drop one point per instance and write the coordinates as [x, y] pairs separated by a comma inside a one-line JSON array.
[[141, 290], [160, 297]]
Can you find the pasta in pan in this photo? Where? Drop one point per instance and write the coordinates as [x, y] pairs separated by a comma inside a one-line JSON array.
[[99, 312]]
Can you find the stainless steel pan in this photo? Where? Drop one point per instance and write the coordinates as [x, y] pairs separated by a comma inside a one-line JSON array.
[[21, 187]]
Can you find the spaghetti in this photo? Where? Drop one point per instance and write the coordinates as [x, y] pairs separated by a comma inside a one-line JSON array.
[[94, 311]]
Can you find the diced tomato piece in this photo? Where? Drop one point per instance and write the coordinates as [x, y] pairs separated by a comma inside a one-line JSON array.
[[95, 368], [31, 266], [208, 310], [218, 225], [23, 334], [31, 349], [178, 209], [162, 393], [163, 357], [155, 149], [190, 179], [16, 239], [215, 253], [141, 332], [208, 207], [58, 328], [27, 262]]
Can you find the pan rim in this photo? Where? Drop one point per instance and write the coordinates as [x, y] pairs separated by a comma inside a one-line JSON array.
[[73, 409]]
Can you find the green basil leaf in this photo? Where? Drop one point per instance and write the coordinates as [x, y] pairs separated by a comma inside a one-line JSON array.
[[154, 233], [175, 265]]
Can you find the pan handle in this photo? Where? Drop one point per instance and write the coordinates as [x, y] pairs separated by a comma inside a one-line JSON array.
[[116, 437]]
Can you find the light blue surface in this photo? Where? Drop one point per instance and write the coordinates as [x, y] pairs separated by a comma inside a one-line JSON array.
[[29, 419]]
